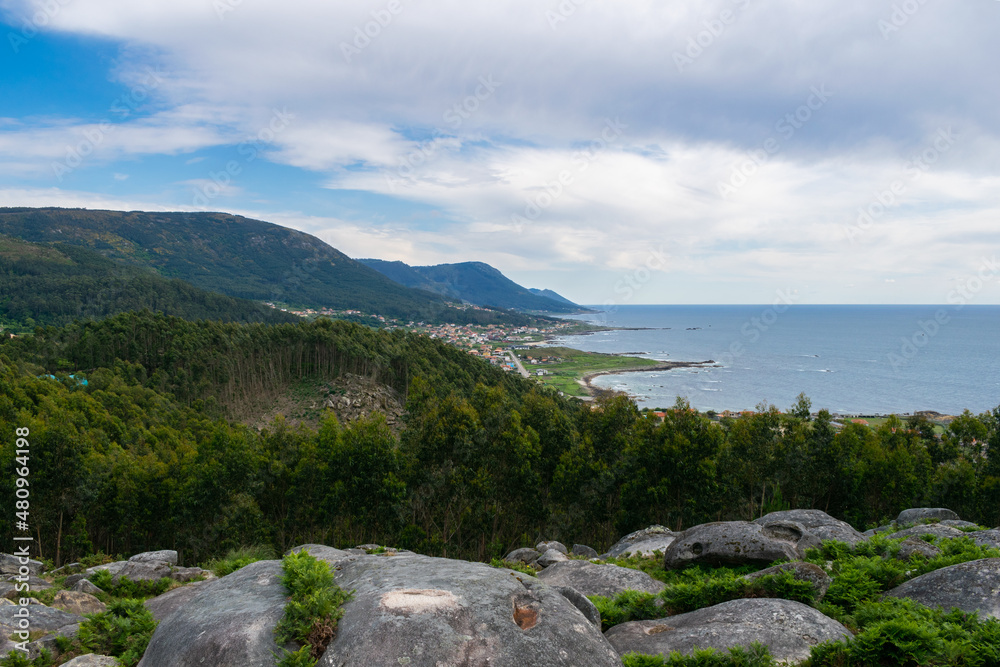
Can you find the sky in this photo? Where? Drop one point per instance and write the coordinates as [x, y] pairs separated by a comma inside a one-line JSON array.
[[626, 152]]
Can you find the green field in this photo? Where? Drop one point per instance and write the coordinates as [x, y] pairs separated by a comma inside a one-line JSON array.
[[564, 376]]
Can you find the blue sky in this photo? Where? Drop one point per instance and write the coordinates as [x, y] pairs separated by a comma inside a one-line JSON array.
[[631, 152]]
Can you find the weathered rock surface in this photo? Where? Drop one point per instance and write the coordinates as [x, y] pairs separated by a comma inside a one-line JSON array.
[[167, 556], [924, 513], [935, 529], [35, 583], [789, 629], [643, 542], [987, 538], [551, 556], [12, 565], [958, 523], [186, 574], [914, 546], [92, 660], [42, 618], [599, 579], [585, 551], [85, 586], [527, 555], [819, 523], [78, 603], [972, 586], [542, 547], [739, 543], [581, 602], [229, 622], [814, 574], [424, 612], [163, 605], [321, 552], [143, 571], [113, 568]]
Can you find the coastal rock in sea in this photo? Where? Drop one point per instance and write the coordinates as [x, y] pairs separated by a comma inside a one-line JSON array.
[[229, 622], [916, 514], [527, 555], [972, 586], [987, 538], [551, 556], [819, 523], [542, 547], [814, 574], [163, 605], [584, 550], [739, 543], [321, 552], [789, 629], [935, 529], [168, 556], [423, 612], [598, 578], [643, 542], [914, 546], [92, 660], [12, 565], [143, 571], [80, 604]]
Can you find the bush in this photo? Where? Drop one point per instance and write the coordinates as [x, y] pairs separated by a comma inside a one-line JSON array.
[[513, 565], [127, 588], [123, 631], [239, 558], [755, 656], [312, 611]]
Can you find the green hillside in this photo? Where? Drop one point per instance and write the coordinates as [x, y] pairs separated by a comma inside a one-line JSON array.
[[237, 256], [473, 282], [56, 284]]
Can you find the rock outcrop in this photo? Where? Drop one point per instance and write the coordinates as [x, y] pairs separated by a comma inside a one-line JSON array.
[[643, 542], [972, 586], [819, 523], [739, 543], [934, 529], [789, 629], [598, 578], [814, 574], [914, 515]]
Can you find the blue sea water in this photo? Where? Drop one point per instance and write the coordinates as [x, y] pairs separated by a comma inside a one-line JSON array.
[[847, 359]]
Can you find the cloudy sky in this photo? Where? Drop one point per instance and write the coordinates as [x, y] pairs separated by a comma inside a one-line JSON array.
[[716, 151]]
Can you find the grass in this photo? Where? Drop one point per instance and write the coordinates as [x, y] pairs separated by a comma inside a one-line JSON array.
[[518, 566], [239, 558], [564, 375]]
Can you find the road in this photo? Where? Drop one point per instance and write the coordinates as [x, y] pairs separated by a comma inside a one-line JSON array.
[[517, 362]]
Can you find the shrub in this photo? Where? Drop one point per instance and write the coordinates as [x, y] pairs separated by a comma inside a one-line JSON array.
[[123, 631], [312, 611], [239, 558], [127, 588], [514, 565], [757, 655]]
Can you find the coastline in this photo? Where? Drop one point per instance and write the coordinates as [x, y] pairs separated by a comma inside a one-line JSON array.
[[586, 381]]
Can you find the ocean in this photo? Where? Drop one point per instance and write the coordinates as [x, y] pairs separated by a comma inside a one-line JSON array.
[[847, 359]]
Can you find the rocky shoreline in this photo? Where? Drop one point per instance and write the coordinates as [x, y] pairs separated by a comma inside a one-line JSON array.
[[587, 381]]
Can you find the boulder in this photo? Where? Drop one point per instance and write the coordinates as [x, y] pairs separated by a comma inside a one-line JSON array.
[[814, 574], [85, 586], [643, 542], [80, 604], [958, 523], [909, 516], [551, 556], [12, 565], [423, 612], [8, 590], [914, 546], [186, 574], [739, 543], [321, 552], [542, 547], [971, 586], [819, 523], [881, 529], [42, 619], [229, 622], [599, 578], [143, 571], [789, 629], [68, 568], [935, 529], [34, 583], [92, 660], [585, 551], [987, 538], [527, 555], [50, 641], [163, 605], [167, 556], [113, 568], [581, 602]]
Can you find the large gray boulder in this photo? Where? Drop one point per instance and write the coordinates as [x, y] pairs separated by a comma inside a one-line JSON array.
[[924, 514], [958, 523], [551, 556], [935, 529], [80, 604], [113, 568], [585, 551], [642, 543], [12, 565], [167, 556], [42, 619], [789, 629], [424, 612], [598, 578], [163, 605], [914, 546], [542, 547], [739, 543], [971, 586], [819, 523], [987, 538], [814, 574], [143, 571], [229, 623], [526, 555]]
